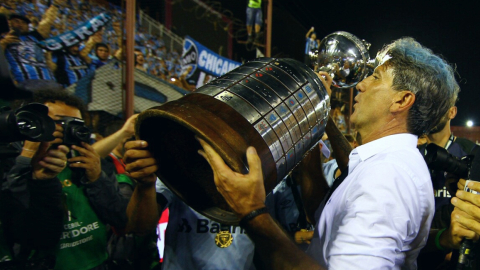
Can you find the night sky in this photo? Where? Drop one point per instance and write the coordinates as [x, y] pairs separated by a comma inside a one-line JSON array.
[[451, 29]]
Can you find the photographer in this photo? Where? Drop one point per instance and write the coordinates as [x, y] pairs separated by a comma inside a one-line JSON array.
[[90, 197], [443, 186], [32, 194]]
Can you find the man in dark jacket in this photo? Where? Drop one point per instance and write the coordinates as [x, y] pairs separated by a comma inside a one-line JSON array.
[[90, 198]]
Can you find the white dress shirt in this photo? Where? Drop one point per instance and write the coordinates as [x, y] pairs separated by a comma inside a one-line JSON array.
[[380, 216]]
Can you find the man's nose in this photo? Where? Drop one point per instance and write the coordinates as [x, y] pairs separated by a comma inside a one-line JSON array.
[[360, 86]]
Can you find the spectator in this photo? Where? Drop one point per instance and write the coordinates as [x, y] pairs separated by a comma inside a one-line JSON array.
[[91, 199], [69, 65], [102, 50], [26, 58], [139, 60], [254, 17], [310, 46]]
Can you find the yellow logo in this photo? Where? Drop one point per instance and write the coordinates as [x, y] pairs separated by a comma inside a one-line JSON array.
[[223, 239]]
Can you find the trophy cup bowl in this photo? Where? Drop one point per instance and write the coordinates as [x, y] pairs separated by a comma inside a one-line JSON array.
[[345, 57], [279, 106]]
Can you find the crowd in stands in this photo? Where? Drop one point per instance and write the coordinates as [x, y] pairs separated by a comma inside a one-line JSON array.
[[159, 61]]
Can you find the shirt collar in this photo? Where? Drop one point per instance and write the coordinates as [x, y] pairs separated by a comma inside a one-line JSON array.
[[391, 142]]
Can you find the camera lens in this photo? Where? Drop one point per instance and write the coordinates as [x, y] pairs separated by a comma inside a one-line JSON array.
[[29, 124], [82, 133]]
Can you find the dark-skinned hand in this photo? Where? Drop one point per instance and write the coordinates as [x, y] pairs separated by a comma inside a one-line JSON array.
[[140, 163], [88, 160]]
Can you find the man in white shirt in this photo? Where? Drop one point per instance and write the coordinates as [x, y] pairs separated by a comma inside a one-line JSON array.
[[379, 216]]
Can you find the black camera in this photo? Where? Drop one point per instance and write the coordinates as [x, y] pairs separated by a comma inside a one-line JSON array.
[[74, 130], [30, 122], [437, 158]]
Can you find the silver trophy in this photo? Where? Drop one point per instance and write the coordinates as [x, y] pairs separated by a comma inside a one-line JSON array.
[[279, 106], [345, 57]]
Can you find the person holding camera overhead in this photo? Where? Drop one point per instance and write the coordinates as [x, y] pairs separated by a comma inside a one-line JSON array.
[[90, 198]]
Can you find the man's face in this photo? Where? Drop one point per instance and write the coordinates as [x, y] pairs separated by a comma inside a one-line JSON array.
[[102, 53], [140, 59], [59, 108], [18, 25], [374, 99], [74, 50]]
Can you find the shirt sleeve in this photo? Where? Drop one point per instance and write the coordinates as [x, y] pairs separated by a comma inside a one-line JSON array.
[[107, 201], [382, 218]]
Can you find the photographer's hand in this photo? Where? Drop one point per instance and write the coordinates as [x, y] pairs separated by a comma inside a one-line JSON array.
[[461, 184], [48, 162], [468, 206], [140, 163], [88, 160], [465, 218]]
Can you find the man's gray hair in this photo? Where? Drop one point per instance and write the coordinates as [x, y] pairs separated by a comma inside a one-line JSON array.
[[428, 76]]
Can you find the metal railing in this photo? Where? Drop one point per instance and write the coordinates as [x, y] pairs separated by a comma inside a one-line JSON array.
[[153, 27]]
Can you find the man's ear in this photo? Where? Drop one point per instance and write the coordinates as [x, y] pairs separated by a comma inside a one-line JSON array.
[[402, 101], [452, 112]]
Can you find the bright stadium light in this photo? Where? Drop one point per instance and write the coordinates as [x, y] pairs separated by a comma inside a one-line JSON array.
[[469, 123]]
